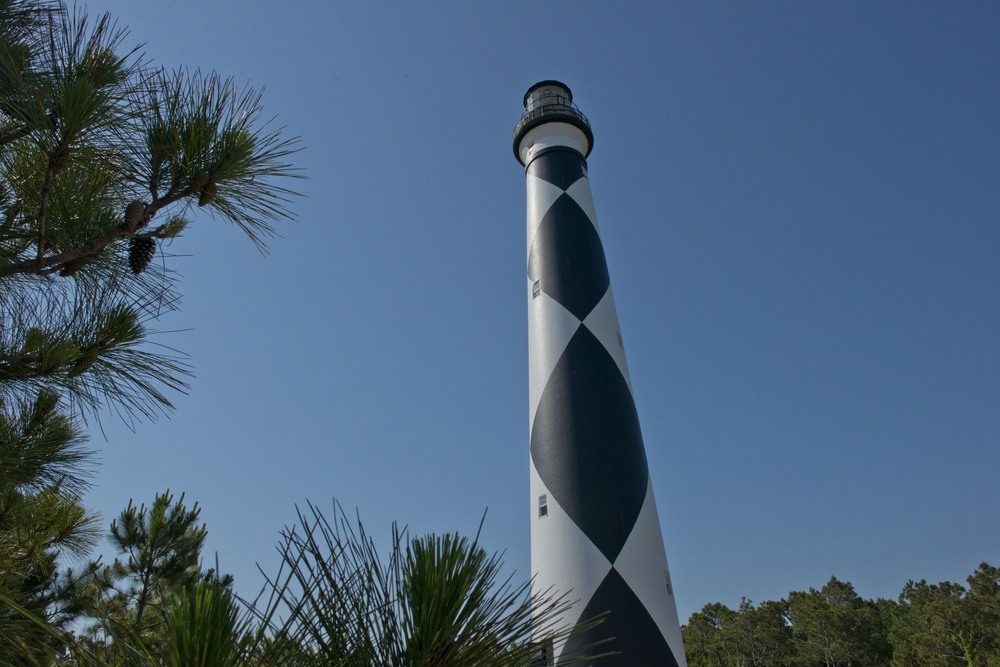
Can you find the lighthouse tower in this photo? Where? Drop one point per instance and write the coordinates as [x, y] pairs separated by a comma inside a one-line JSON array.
[[594, 529]]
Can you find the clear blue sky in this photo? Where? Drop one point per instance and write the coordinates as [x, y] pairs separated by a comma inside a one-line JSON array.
[[800, 203]]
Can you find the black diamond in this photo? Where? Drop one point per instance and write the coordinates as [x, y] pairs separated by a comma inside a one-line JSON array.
[[561, 168], [586, 444], [635, 633], [567, 257]]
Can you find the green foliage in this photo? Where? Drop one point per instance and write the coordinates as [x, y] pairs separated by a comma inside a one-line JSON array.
[[42, 522], [436, 601], [202, 140], [940, 625], [760, 636], [835, 627], [160, 549], [86, 344], [94, 145], [206, 628], [932, 625], [751, 636], [706, 634]]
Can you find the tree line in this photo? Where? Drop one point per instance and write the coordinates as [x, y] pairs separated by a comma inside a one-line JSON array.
[[929, 625]]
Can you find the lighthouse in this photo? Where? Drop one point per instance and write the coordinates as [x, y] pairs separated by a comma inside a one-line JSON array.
[[595, 533]]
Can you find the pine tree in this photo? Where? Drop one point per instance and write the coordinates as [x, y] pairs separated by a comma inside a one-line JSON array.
[[103, 160], [430, 601], [706, 636], [160, 562], [42, 474]]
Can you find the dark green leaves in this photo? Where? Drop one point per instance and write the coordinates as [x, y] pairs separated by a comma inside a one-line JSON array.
[[206, 628], [205, 139], [434, 601], [932, 625], [90, 136]]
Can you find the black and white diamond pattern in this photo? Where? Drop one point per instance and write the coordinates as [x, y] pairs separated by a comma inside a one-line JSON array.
[[586, 444], [600, 536]]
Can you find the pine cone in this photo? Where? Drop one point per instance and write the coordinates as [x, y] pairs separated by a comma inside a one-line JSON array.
[[134, 214], [140, 253], [200, 181], [207, 194]]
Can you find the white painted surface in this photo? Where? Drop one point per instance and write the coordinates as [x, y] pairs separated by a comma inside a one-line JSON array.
[[643, 565], [603, 323], [550, 328], [563, 559], [552, 134], [541, 196], [580, 192]]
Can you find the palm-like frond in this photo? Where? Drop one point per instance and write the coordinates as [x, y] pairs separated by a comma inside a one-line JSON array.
[[436, 601], [206, 628]]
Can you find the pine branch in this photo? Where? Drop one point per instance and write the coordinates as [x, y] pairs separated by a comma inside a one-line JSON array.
[[42, 265], [83, 132], [14, 135], [55, 161]]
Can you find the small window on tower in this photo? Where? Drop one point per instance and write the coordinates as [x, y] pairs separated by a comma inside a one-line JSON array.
[[542, 654], [543, 505], [670, 589], [536, 289]]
